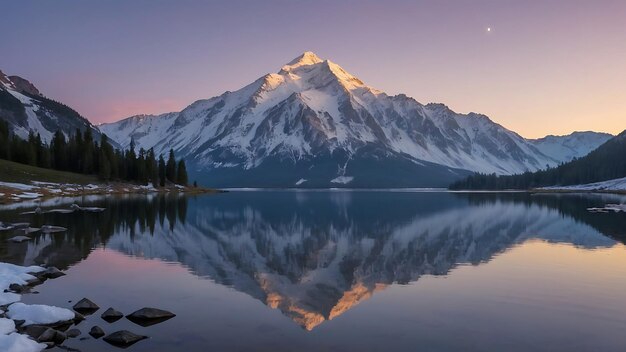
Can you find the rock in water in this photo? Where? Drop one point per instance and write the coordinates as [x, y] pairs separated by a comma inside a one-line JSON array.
[[52, 229], [27, 230], [6, 227], [111, 315], [85, 306], [51, 335], [92, 209], [123, 338], [19, 239], [96, 332], [78, 317], [72, 333], [41, 333], [52, 273], [149, 316], [35, 331]]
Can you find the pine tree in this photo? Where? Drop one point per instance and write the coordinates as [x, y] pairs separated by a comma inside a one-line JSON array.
[[142, 174], [131, 162], [4, 140], [87, 152], [104, 165], [170, 168], [59, 151], [162, 172], [31, 150], [181, 174], [152, 168]]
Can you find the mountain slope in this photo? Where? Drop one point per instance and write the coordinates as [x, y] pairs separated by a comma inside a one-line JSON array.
[[607, 162], [322, 127], [26, 109], [575, 145]]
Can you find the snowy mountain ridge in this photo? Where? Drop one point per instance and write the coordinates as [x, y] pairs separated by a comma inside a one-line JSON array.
[[318, 122], [26, 110], [571, 146]]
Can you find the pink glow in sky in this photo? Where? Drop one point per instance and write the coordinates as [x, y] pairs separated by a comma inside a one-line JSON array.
[[544, 67]]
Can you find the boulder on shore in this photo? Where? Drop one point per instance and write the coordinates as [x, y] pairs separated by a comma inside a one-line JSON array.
[[51, 273]]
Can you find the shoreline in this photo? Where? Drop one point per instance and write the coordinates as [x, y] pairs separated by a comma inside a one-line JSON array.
[[11, 192]]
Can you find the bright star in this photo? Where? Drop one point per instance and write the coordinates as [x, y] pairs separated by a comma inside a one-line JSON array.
[[488, 29]]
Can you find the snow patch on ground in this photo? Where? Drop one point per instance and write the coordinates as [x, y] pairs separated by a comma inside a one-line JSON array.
[[618, 184], [20, 186], [616, 208], [38, 313], [7, 326], [29, 195], [15, 274], [342, 179], [9, 297], [15, 342], [11, 341]]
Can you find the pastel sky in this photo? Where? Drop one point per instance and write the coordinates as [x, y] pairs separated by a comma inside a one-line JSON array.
[[546, 66]]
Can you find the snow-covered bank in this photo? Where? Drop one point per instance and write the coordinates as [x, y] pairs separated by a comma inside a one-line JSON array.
[[615, 185], [10, 339], [11, 192]]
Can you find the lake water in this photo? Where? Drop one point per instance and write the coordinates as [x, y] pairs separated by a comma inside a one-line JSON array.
[[342, 271]]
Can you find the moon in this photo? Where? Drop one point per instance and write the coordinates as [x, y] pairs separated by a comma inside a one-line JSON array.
[[488, 29]]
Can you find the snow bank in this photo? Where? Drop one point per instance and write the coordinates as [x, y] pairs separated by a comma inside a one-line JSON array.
[[15, 274], [29, 195], [8, 297], [19, 186], [618, 184], [342, 179], [9, 340], [616, 208], [7, 326], [15, 342], [39, 314]]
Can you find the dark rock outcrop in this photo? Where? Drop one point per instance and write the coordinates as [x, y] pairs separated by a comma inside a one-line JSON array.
[[123, 338], [85, 306], [149, 316], [111, 315]]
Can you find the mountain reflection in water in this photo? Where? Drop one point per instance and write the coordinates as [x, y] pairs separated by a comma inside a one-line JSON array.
[[315, 255]]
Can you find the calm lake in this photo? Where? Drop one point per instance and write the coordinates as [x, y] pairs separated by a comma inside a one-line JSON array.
[[341, 270]]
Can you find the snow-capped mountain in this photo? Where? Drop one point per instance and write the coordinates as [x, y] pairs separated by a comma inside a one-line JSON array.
[[575, 145], [26, 110], [313, 124]]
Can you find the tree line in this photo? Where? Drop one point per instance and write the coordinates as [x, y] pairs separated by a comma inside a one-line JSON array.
[[605, 163], [81, 153]]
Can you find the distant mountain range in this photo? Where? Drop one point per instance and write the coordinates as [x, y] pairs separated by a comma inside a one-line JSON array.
[[312, 124], [605, 163], [26, 109]]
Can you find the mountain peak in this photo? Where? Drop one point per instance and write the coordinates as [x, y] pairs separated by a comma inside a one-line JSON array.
[[307, 58], [24, 86]]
